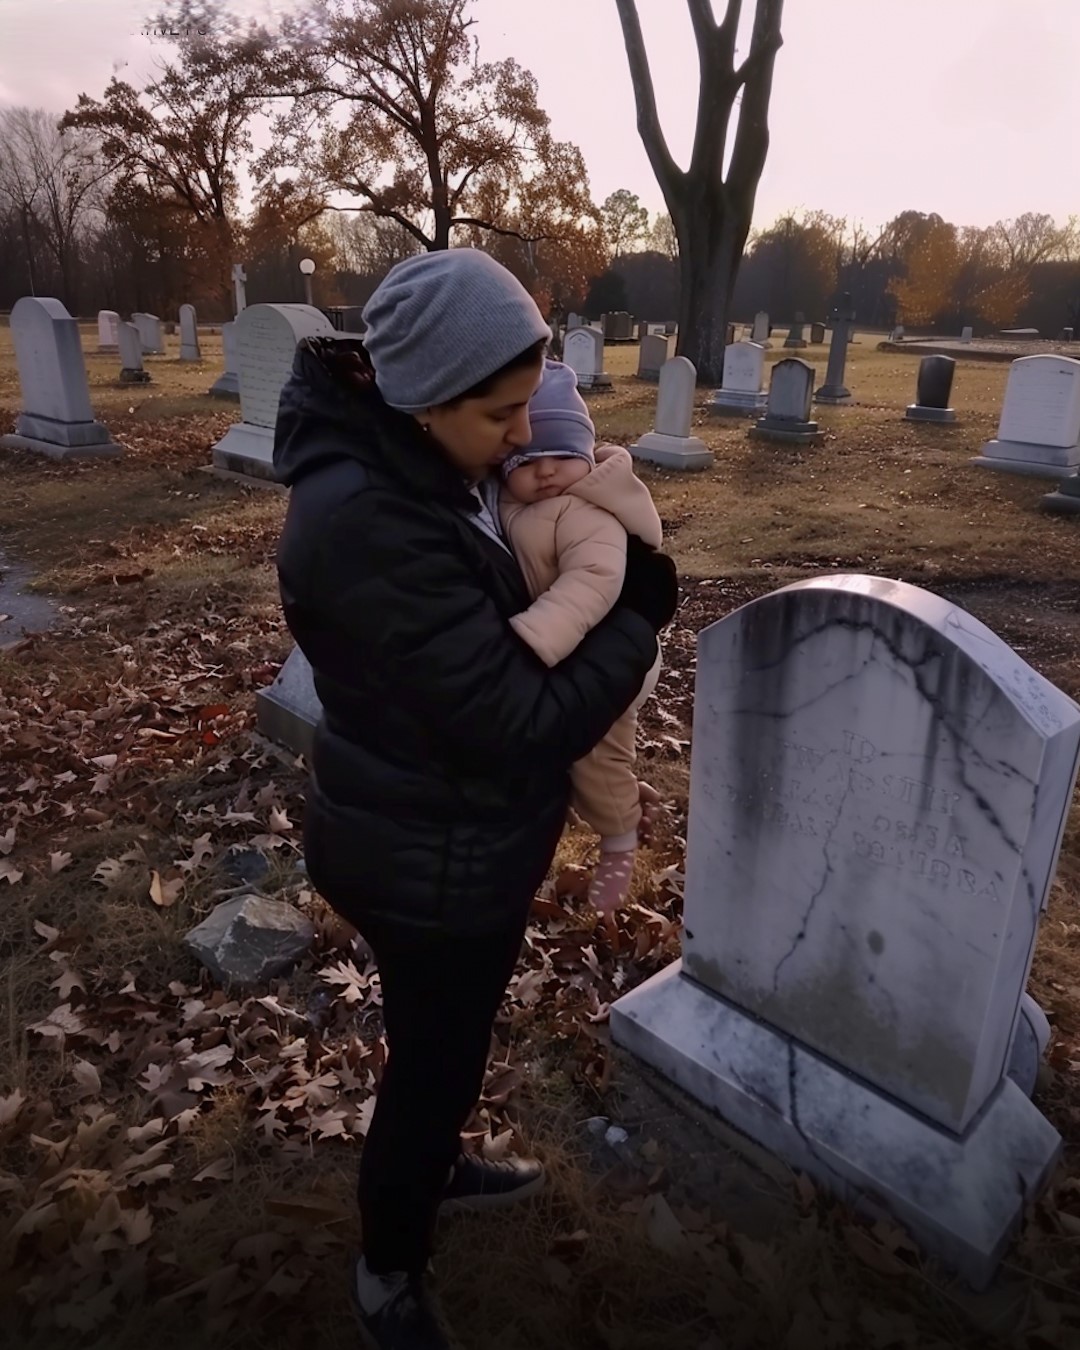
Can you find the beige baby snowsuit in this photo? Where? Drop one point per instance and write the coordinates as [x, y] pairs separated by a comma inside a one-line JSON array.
[[572, 551]]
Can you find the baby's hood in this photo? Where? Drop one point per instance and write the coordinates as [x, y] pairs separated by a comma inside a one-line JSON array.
[[614, 486]]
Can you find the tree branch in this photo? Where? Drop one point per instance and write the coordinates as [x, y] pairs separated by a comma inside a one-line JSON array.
[[701, 16], [752, 136], [668, 174], [499, 229]]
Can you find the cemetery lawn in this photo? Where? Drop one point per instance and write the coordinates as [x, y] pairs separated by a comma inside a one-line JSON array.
[[177, 1162]]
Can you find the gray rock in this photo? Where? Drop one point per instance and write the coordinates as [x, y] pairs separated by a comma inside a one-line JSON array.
[[249, 939]]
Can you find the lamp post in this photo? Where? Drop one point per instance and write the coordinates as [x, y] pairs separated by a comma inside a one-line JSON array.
[[307, 266]]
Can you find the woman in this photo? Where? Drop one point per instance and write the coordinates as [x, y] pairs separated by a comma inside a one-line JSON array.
[[440, 767]]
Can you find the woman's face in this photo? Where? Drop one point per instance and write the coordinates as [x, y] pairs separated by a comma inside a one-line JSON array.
[[477, 434]]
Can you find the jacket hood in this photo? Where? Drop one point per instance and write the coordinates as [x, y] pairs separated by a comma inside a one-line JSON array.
[[330, 410], [615, 486]]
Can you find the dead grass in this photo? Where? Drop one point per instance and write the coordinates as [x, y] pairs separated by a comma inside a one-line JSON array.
[[878, 496]]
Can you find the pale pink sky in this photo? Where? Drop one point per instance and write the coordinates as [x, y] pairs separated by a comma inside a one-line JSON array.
[[958, 106]]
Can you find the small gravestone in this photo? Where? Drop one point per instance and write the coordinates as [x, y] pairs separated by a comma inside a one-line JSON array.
[[879, 789], [57, 419], [288, 710], [651, 358], [897, 334], [933, 390], [151, 334], [266, 338], [250, 939], [761, 330], [797, 332], [741, 392], [833, 390], [642, 330], [817, 334], [583, 352], [131, 362], [670, 444], [573, 321], [967, 334], [239, 277], [618, 326], [189, 334], [787, 416], [670, 328], [1039, 431], [107, 323], [227, 384]]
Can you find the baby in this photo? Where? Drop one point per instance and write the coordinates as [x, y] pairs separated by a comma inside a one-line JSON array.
[[566, 510]]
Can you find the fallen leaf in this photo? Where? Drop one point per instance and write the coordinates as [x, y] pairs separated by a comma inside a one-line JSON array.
[[58, 861], [87, 1077], [165, 893], [10, 873]]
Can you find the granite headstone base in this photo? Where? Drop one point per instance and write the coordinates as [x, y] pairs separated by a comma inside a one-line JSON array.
[[736, 403], [227, 385], [1035, 461], [962, 1197], [594, 384], [1066, 500], [833, 396], [672, 452], [288, 710], [247, 449], [785, 429], [917, 413], [60, 440]]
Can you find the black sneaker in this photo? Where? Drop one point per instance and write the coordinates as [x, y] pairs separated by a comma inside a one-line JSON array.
[[408, 1320], [479, 1184]]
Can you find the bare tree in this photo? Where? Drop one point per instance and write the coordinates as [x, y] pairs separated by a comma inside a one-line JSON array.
[[711, 212]]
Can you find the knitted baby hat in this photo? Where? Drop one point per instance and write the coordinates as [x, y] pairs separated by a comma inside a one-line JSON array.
[[560, 421]]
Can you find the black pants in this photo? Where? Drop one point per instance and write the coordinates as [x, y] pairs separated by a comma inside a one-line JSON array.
[[440, 997]]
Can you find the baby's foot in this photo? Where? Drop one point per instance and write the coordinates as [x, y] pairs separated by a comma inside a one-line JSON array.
[[610, 883]]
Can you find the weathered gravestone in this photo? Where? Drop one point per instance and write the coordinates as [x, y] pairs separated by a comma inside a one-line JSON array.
[[741, 392], [131, 362], [642, 329], [651, 358], [760, 331], [817, 334], [572, 321], [618, 326], [787, 415], [239, 277], [932, 391], [189, 334], [1039, 431], [671, 328], [879, 787], [797, 332], [107, 323], [288, 710], [266, 338], [843, 327], [897, 334], [671, 444], [227, 384], [57, 419], [967, 334], [583, 352], [151, 334]]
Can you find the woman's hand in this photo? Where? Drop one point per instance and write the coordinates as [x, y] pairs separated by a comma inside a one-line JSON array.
[[651, 586]]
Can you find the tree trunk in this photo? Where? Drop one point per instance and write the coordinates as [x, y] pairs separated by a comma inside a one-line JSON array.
[[709, 255]]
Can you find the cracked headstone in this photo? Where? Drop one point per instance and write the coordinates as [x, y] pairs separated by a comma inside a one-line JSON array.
[[879, 788], [250, 939]]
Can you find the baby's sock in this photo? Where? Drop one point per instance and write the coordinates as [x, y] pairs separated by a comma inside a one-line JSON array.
[[610, 883]]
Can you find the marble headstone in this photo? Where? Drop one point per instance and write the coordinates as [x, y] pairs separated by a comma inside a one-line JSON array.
[[671, 444], [151, 333], [933, 390], [787, 414], [879, 788], [741, 391], [189, 334], [107, 322], [131, 362], [57, 419], [227, 384], [760, 331], [288, 710], [1039, 431], [583, 352], [897, 334], [967, 334], [651, 358], [266, 338]]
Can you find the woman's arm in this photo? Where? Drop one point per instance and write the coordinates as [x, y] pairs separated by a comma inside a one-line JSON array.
[[439, 646]]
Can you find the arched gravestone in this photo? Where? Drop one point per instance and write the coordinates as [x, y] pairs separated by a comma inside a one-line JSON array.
[[583, 352], [189, 334], [151, 333], [57, 419], [932, 391], [266, 338], [879, 787], [670, 443], [108, 323]]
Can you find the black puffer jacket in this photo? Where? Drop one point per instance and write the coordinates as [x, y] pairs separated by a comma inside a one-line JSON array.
[[440, 767]]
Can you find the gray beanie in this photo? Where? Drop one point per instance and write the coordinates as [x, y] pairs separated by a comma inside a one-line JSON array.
[[441, 322], [560, 421]]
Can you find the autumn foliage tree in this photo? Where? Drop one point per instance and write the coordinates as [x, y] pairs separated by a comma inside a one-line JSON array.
[[711, 209], [626, 221], [390, 106]]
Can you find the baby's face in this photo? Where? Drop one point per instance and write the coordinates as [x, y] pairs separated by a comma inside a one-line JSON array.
[[547, 476]]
